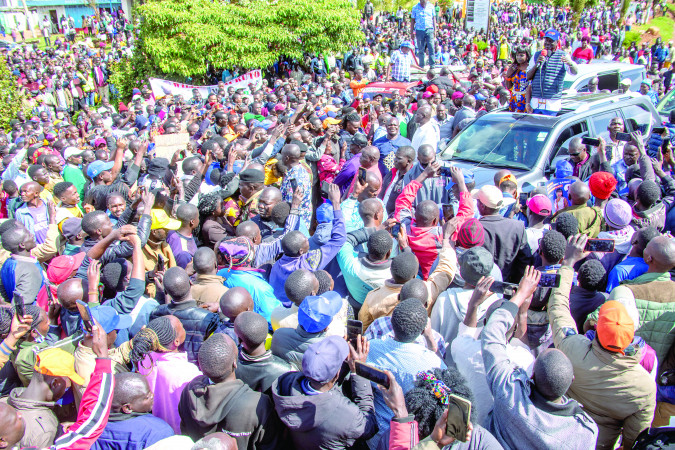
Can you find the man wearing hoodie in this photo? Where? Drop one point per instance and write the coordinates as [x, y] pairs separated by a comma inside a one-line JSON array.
[[314, 408], [296, 250], [217, 400], [131, 424], [49, 383], [531, 413], [650, 209], [608, 380]]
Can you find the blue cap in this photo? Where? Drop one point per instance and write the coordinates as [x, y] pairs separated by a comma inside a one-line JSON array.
[[406, 44], [94, 169], [324, 213], [323, 360], [468, 178], [316, 312], [563, 169], [109, 319], [480, 97], [552, 34]]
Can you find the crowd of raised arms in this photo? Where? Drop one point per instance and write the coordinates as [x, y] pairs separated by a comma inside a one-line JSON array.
[[306, 272]]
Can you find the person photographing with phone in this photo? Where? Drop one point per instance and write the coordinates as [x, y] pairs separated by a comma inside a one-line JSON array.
[[546, 72]]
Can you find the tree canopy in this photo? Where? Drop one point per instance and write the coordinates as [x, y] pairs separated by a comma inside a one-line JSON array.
[[181, 36], [11, 98]]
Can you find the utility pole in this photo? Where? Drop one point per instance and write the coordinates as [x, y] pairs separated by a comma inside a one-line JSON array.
[[25, 11]]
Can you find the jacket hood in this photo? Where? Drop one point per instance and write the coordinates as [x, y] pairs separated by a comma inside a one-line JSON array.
[[208, 404], [296, 410], [24, 404]]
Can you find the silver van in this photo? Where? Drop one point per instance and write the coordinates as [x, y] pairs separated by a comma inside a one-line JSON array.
[[609, 75], [530, 145]]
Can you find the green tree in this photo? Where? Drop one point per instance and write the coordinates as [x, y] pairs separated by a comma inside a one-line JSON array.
[[181, 36], [11, 99]]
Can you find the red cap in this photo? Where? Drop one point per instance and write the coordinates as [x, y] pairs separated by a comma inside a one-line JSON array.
[[61, 268]]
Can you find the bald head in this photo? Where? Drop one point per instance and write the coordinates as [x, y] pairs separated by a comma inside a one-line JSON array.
[[70, 291], [660, 254], [427, 214], [290, 154], [579, 193], [235, 301], [427, 153], [424, 114], [250, 230], [370, 209], [221, 441]]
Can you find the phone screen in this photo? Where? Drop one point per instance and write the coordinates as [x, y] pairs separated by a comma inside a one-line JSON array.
[[362, 175], [294, 184], [625, 137], [523, 199], [600, 245], [372, 374], [590, 141], [324, 189], [354, 328], [85, 313], [19, 307], [459, 414], [550, 280]]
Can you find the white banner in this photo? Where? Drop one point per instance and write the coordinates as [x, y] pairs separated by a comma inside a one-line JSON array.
[[477, 14], [245, 81]]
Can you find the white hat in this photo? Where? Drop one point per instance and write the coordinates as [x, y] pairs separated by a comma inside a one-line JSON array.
[[71, 151], [490, 196]]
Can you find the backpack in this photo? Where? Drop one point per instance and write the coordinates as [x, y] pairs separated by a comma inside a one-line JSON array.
[[655, 439]]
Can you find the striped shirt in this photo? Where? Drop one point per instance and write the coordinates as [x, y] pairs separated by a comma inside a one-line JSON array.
[[400, 65]]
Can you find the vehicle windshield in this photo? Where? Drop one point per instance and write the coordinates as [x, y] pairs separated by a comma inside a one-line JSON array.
[[667, 104], [499, 140]]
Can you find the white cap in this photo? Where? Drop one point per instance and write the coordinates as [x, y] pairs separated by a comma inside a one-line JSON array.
[[71, 151], [490, 196]]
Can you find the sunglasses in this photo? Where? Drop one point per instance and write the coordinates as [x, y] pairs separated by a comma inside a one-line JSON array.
[[575, 154]]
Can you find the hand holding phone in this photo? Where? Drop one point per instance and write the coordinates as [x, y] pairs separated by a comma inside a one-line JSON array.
[[599, 245], [85, 313], [362, 175], [19, 307], [371, 373], [458, 418], [294, 184], [594, 142], [625, 137], [354, 330]]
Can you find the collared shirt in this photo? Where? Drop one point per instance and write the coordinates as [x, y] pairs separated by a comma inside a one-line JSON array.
[[400, 65], [381, 329], [424, 16]]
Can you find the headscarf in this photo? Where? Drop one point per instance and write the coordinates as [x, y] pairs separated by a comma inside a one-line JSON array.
[[237, 252]]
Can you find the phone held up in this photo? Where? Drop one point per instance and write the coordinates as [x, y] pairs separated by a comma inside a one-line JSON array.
[[85, 313], [371, 373], [354, 329], [459, 414]]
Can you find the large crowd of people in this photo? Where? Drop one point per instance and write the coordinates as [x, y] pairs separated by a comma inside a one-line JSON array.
[[306, 272]]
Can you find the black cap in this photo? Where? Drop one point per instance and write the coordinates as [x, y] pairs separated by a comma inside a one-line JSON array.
[[157, 167], [252, 176]]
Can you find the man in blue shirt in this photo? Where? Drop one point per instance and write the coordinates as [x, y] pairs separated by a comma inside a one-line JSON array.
[[387, 145], [422, 28]]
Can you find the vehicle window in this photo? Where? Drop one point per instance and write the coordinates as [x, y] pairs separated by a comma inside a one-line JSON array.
[[667, 104], [636, 77], [636, 116], [582, 86], [608, 81], [601, 122], [562, 143], [504, 141]]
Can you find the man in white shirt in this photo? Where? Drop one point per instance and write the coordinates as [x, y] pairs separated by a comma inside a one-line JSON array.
[[427, 131]]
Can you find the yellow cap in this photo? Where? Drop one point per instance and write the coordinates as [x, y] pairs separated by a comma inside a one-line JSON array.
[[160, 219], [57, 363]]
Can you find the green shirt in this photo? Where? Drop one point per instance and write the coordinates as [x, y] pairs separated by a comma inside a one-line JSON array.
[[73, 174]]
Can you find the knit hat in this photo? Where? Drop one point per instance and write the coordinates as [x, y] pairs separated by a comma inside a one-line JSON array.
[[602, 184], [457, 95], [618, 213], [471, 234], [615, 328]]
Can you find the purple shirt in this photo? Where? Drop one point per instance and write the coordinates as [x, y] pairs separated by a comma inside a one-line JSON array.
[[346, 175], [40, 222], [167, 375], [183, 248]]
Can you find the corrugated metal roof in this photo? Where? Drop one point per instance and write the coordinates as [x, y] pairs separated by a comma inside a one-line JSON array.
[[30, 3]]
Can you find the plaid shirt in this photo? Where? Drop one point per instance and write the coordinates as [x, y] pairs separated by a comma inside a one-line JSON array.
[[400, 65], [424, 16], [381, 329]]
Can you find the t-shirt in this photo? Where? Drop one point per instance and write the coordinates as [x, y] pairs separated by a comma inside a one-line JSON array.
[[183, 248], [41, 225]]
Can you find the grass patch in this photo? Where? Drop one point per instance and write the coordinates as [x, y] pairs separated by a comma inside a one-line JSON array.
[[665, 24]]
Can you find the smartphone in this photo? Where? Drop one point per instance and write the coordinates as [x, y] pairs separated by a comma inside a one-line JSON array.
[[625, 137], [659, 130], [522, 198], [294, 184], [600, 245], [396, 229], [19, 307], [445, 171], [550, 280], [324, 189], [160, 263], [354, 329], [448, 211], [362, 175], [372, 374], [458, 427], [590, 141], [85, 313], [499, 287]]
